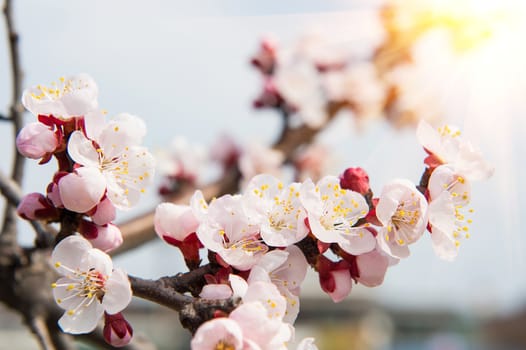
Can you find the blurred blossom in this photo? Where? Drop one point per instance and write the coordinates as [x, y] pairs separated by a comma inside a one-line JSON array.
[[258, 159], [182, 161]]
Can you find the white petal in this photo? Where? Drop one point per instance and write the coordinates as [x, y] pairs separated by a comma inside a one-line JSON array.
[[428, 137], [359, 241], [215, 292], [97, 260], [81, 150], [84, 321], [239, 286], [210, 333], [63, 295], [118, 292], [69, 253]]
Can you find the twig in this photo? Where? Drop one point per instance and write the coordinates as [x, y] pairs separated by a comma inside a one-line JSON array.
[[39, 328], [192, 311], [12, 192], [15, 115]]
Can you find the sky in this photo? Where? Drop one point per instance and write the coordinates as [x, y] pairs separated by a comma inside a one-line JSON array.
[[183, 67]]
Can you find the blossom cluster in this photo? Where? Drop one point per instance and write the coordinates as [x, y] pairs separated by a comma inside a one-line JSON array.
[[101, 167], [265, 238], [101, 163]]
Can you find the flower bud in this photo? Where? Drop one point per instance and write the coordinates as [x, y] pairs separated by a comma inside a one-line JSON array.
[[117, 331], [173, 221], [105, 238], [36, 140], [82, 190], [35, 206], [104, 212], [355, 179]]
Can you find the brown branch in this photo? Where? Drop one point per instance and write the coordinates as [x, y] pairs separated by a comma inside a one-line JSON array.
[[39, 328], [12, 192], [192, 311], [15, 115]]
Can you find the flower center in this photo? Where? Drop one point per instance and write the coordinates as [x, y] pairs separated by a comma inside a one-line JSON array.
[[86, 286], [404, 220], [224, 345], [58, 89]]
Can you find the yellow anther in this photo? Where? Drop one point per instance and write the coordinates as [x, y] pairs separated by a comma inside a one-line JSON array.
[[71, 312], [58, 264], [53, 285]]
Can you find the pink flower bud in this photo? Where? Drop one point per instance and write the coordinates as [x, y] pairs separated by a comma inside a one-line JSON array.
[[174, 221], [35, 206], [53, 194], [265, 59], [104, 212], [355, 179], [117, 331], [335, 278], [36, 140], [105, 238], [82, 190]]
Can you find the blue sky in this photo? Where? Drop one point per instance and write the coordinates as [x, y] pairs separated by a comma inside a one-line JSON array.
[[183, 67]]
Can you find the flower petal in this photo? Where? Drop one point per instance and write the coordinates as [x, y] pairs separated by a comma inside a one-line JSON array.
[[118, 292]]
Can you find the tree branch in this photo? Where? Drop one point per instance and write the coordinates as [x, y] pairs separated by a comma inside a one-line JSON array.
[[15, 115], [39, 328], [192, 311]]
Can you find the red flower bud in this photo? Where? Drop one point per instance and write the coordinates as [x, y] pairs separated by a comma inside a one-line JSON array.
[[355, 179], [117, 331]]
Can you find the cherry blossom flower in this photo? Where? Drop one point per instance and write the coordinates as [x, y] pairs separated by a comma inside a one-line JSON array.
[[299, 85], [182, 160], [35, 140], [258, 329], [333, 212], [69, 97], [89, 286], [278, 210], [229, 232], [218, 333], [359, 85], [286, 269], [307, 344], [126, 167], [448, 217], [259, 159], [448, 147], [402, 210]]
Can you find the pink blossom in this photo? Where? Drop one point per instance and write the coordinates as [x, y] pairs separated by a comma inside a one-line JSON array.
[[333, 212], [402, 211], [35, 140], [277, 209], [117, 331], [229, 232], [89, 286], [449, 147], [68, 97], [218, 333]]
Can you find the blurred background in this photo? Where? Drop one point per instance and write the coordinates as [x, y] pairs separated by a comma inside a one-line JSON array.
[[184, 67]]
